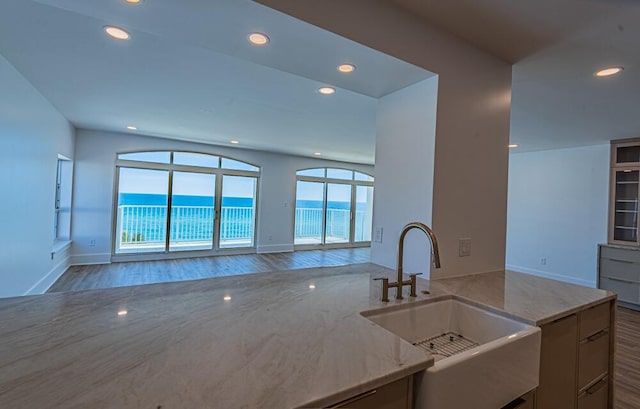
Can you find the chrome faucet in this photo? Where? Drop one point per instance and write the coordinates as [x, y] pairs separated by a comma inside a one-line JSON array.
[[412, 277]]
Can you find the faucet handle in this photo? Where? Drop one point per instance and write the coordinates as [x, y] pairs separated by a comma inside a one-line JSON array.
[[385, 288], [413, 284]]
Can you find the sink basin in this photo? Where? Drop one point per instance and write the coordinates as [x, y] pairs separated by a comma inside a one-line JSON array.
[[482, 359]]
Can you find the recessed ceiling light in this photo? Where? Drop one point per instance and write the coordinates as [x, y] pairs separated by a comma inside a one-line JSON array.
[[317, 153], [258, 38], [513, 145], [132, 128], [117, 33], [133, 1], [235, 142], [227, 298], [609, 71], [122, 313], [312, 286], [346, 68], [327, 90]]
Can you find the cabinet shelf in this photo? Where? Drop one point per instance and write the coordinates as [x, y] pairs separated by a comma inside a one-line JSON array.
[[624, 202]]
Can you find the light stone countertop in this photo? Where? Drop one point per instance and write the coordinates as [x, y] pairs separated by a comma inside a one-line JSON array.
[[620, 246], [277, 343], [531, 299]]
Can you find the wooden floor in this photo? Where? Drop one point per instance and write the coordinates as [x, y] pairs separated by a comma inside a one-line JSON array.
[[627, 389], [123, 274], [148, 272]]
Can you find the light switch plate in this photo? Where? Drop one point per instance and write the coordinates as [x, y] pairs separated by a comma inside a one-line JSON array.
[[377, 234], [464, 247]]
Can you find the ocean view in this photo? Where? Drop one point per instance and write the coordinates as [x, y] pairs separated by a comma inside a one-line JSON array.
[[138, 199], [142, 220]]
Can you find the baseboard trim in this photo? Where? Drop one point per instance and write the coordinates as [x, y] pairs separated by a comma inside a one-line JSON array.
[[51, 277], [552, 276], [435, 274], [88, 259], [276, 248]]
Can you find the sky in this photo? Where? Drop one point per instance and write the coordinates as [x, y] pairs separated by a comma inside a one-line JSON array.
[[184, 183], [147, 181]]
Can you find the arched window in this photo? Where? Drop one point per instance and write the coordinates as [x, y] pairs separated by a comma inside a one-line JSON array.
[[334, 207], [170, 201]]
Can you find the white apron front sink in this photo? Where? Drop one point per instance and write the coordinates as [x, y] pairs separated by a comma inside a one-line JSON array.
[[483, 360]]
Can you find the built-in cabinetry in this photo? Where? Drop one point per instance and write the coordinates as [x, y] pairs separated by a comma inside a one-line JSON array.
[[395, 395], [576, 360], [619, 271], [625, 188], [619, 263]]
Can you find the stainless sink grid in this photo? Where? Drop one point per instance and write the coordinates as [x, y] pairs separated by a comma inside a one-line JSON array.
[[446, 345]]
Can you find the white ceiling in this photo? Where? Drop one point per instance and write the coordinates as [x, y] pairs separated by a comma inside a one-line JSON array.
[[189, 73], [556, 47]]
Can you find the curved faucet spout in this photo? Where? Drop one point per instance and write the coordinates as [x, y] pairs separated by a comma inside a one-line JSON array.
[[432, 239]]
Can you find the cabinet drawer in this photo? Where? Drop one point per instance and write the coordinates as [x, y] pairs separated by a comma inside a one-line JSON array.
[[620, 254], [594, 319], [627, 291], [624, 270], [593, 358], [596, 397], [525, 405], [526, 401], [392, 396]]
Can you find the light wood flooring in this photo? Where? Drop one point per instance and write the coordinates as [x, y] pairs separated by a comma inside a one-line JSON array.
[[162, 271], [627, 377]]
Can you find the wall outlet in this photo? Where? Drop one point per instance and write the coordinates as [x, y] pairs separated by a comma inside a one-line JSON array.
[[377, 234], [92, 243], [464, 247], [543, 261]]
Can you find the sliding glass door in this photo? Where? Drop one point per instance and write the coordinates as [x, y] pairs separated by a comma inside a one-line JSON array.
[[364, 213], [309, 223], [338, 225], [238, 215], [141, 218], [183, 201], [193, 197], [334, 207]]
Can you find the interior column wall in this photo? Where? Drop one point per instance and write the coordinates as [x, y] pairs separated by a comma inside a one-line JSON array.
[[472, 123], [405, 118]]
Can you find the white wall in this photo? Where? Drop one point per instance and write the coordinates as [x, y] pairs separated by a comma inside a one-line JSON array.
[[472, 123], [32, 134], [558, 201], [94, 189], [405, 118]]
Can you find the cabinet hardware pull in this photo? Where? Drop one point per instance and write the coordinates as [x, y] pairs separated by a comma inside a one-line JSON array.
[[595, 388], [349, 401], [619, 280], [621, 261], [597, 335]]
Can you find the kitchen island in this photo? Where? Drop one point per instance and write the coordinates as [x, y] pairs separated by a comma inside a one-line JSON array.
[[270, 340]]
